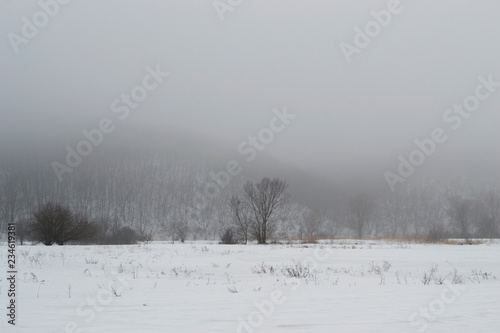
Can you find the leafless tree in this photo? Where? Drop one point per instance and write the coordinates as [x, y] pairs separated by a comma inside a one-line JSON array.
[[395, 211], [241, 217], [311, 223], [425, 212], [12, 203], [491, 215], [22, 226], [265, 200], [182, 221], [460, 212], [288, 219], [362, 209]]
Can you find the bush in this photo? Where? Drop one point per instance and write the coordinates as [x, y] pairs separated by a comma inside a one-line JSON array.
[[297, 270], [54, 223], [228, 236], [125, 236], [121, 236]]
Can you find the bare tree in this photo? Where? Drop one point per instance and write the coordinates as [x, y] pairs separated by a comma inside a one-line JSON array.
[[395, 212], [265, 200], [432, 217], [54, 223], [182, 222], [335, 219], [288, 219], [425, 213], [362, 208], [460, 212], [184, 217], [491, 215], [11, 198], [311, 223], [241, 217], [22, 230]]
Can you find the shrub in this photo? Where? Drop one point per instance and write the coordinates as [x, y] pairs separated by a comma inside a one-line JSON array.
[[109, 233], [125, 236], [297, 270], [55, 223], [228, 236], [263, 269]]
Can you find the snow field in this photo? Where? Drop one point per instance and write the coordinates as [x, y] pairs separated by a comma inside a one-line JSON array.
[[347, 286]]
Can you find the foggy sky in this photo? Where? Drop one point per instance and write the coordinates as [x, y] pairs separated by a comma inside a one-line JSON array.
[[226, 77]]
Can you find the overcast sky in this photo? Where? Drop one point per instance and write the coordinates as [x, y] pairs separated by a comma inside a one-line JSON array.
[[226, 77]]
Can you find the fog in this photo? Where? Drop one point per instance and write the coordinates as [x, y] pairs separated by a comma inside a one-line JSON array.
[[352, 119], [245, 165]]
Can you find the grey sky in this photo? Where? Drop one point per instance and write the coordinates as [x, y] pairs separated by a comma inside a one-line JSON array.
[[228, 76]]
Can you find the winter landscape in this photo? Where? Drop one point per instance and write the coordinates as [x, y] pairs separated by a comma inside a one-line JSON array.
[[344, 286], [249, 166]]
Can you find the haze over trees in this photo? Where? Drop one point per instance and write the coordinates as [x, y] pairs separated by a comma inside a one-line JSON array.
[[362, 208], [136, 194]]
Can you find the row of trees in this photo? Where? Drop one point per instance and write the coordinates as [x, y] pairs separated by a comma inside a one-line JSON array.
[[155, 194], [256, 215], [147, 193], [417, 212], [54, 223]]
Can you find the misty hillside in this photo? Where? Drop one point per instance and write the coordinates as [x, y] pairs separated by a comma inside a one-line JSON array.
[[355, 118], [249, 166]]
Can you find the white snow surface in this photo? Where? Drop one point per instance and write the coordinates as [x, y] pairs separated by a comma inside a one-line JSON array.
[[344, 286]]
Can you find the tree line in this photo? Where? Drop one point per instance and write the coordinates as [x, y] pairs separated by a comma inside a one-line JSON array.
[[152, 196]]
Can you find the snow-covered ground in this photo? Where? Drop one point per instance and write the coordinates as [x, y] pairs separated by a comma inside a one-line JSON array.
[[347, 286]]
